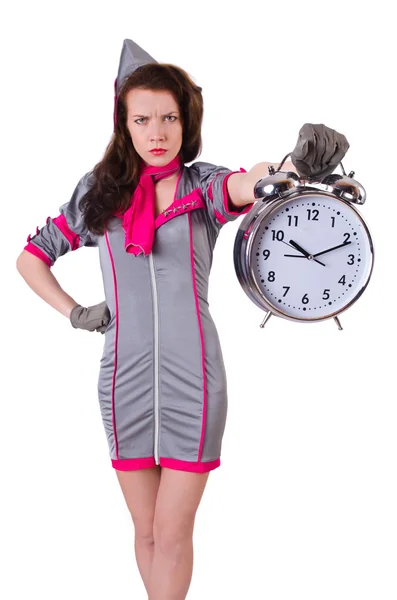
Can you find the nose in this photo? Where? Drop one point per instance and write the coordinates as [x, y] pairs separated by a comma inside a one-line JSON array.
[[157, 133]]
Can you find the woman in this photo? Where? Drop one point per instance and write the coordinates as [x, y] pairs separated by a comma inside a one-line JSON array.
[[162, 383]]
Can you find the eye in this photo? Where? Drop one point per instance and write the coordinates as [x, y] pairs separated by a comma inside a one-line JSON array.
[[140, 119]]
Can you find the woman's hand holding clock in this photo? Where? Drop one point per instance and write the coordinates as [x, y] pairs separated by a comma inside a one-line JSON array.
[[318, 151]]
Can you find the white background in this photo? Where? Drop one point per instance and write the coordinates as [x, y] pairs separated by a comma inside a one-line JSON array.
[[304, 503]]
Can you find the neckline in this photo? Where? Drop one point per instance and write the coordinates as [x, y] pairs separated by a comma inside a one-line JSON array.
[[175, 195]]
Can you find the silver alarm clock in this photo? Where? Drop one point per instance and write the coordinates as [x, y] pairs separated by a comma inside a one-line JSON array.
[[304, 252]]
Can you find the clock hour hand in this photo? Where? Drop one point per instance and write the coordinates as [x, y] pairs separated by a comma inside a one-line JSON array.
[[307, 255], [334, 248]]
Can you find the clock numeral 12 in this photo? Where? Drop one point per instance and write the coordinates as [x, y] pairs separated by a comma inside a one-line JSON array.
[[315, 213]]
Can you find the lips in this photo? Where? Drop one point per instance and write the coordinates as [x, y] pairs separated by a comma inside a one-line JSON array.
[[158, 151]]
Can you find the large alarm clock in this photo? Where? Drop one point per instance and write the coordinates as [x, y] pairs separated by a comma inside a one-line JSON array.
[[304, 252]]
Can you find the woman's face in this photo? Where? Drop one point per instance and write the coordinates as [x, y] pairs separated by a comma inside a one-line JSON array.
[[154, 121]]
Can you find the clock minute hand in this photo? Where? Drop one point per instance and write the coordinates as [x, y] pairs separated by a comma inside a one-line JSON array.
[[309, 256], [330, 249]]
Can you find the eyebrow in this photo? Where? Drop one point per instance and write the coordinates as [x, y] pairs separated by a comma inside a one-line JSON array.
[[166, 115]]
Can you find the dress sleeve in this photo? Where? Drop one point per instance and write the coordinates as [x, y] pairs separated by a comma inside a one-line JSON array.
[[213, 184], [65, 232]]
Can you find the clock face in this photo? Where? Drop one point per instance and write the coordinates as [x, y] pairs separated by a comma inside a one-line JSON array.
[[311, 256]]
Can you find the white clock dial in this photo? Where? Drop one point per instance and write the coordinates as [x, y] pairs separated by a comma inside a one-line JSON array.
[[312, 256]]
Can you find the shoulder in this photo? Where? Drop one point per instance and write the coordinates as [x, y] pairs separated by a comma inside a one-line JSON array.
[[71, 209], [86, 182], [204, 171]]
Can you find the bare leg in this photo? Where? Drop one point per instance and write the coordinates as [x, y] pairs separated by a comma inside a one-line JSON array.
[[178, 498], [140, 492]]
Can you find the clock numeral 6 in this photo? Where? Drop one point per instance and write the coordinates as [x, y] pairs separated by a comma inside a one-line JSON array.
[[305, 299], [326, 294]]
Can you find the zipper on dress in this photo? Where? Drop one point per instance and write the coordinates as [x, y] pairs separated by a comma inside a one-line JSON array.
[[156, 369]]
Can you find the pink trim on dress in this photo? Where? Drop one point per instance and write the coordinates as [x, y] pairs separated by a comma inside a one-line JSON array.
[[193, 467], [226, 197], [220, 217], [73, 238], [209, 191], [190, 202], [115, 344], [133, 464], [37, 252], [202, 341]]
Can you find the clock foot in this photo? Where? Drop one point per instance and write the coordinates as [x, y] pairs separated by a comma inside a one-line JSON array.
[[338, 323], [265, 320]]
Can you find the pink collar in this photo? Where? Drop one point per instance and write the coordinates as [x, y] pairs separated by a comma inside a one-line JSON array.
[[138, 219]]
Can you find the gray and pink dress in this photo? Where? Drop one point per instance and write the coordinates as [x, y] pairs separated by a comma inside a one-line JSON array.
[[162, 383]]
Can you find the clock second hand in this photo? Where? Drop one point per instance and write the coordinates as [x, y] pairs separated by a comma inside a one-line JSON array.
[[304, 252]]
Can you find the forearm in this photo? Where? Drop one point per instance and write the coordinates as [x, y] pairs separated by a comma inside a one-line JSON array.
[[240, 186], [40, 279]]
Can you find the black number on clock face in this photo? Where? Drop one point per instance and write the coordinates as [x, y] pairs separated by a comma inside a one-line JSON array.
[[278, 235], [351, 256], [266, 254], [305, 299], [326, 294], [315, 214], [286, 288], [342, 280], [294, 218], [271, 276], [347, 237]]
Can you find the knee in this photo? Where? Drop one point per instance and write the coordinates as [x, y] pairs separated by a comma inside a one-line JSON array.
[[171, 538], [144, 534]]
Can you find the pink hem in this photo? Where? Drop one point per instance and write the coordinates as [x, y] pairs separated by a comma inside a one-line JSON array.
[[133, 464], [193, 467], [37, 252]]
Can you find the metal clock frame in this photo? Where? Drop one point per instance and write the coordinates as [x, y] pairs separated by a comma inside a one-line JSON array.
[[276, 190]]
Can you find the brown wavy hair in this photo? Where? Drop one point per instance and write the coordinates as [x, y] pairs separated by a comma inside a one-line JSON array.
[[117, 174]]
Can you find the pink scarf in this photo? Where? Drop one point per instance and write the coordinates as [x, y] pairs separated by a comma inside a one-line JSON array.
[[138, 219]]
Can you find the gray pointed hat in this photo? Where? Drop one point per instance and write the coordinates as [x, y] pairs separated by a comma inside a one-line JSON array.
[[132, 56]]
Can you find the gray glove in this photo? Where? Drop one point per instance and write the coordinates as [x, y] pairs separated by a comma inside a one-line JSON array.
[[93, 318], [318, 151]]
